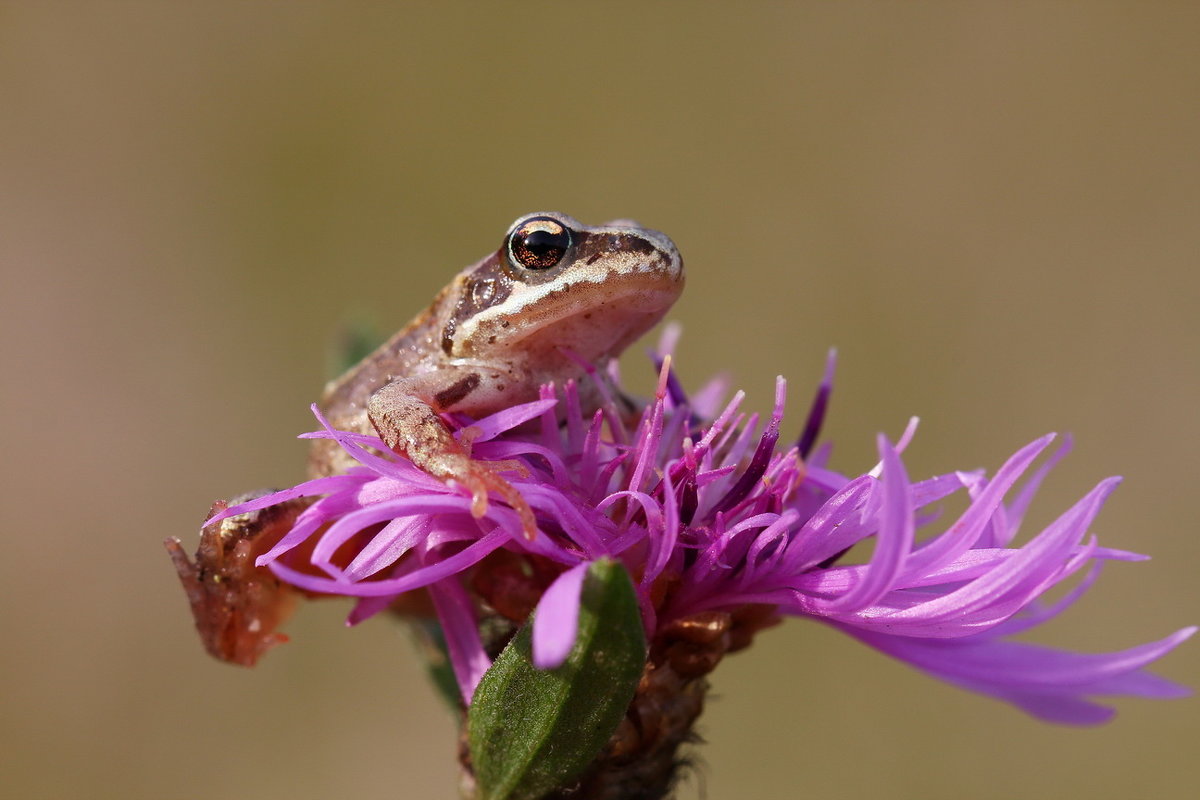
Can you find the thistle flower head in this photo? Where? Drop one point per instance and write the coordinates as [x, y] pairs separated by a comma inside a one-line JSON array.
[[725, 527]]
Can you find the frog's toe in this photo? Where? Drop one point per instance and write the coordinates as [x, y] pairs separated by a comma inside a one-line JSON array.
[[507, 465], [483, 477]]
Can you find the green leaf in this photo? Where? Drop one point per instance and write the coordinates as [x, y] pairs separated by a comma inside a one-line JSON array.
[[531, 731]]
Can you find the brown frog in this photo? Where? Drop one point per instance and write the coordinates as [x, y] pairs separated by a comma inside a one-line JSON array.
[[555, 294]]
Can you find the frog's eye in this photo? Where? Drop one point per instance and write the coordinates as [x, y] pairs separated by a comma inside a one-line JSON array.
[[538, 243]]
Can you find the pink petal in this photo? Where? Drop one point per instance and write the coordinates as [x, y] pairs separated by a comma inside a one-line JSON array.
[[457, 614], [556, 620], [896, 530]]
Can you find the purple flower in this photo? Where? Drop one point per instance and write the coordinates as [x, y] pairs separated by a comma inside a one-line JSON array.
[[711, 515]]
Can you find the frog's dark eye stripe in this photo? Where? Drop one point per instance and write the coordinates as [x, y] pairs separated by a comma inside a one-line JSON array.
[[538, 243]]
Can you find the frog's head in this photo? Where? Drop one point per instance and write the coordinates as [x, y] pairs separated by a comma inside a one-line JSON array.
[[556, 283]]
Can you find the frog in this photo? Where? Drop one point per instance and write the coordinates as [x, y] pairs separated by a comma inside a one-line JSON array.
[[556, 299]]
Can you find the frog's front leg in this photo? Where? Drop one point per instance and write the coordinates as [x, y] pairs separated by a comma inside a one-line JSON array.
[[405, 414]]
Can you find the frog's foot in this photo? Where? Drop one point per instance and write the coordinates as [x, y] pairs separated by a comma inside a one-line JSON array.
[[236, 605], [482, 477]]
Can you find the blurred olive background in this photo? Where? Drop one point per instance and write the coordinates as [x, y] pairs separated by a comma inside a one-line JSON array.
[[990, 209]]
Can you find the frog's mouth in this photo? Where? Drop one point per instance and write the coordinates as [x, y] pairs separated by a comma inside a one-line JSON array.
[[593, 321]]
